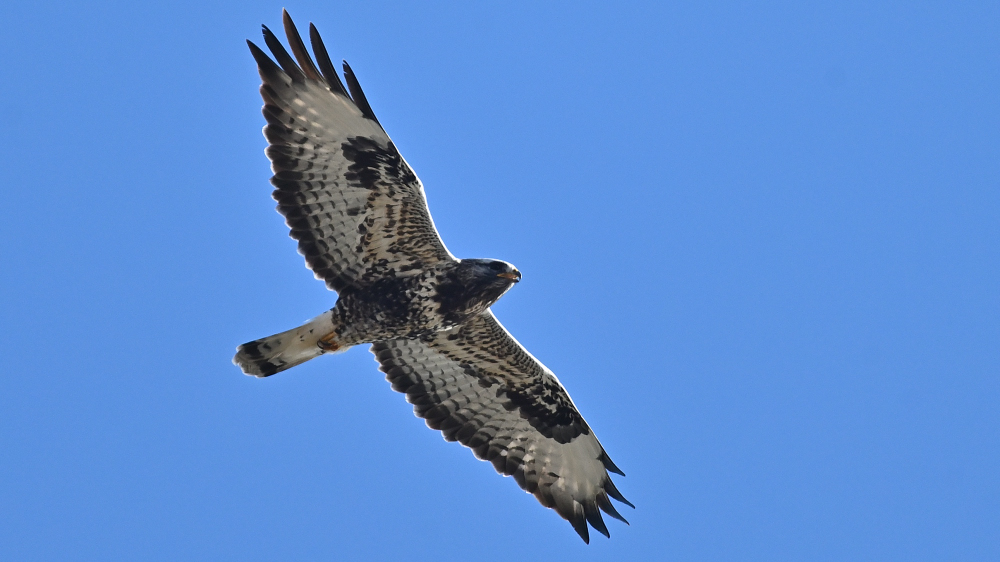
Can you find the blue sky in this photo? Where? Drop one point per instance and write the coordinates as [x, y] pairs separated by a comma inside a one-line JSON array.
[[760, 246]]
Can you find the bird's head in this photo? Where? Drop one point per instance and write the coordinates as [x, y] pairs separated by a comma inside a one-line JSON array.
[[486, 272], [483, 281]]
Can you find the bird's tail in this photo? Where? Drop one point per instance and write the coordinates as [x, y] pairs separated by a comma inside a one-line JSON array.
[[273, 354]]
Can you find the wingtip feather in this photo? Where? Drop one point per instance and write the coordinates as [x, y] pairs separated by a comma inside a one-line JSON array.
[[357, 93], [594, 518], [298, 47], [612, 491], [607, 507], [579, 522], [281, 55], [264, 62], [325, 64], [609, 464]]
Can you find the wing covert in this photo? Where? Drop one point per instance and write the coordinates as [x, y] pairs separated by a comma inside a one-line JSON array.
[[351, 201], [480, 387]]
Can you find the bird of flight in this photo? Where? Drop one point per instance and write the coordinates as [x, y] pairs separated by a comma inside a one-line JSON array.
[[361, 220]]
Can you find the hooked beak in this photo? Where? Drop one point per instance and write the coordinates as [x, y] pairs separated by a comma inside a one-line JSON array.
[[514, 276]]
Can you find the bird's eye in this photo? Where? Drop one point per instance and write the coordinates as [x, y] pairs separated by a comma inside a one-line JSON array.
[[497, 266]]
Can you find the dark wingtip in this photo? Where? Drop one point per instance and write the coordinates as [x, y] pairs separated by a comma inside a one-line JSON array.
[[580, 526], [609, 465], [298, 47], [264, 62], [607, 507], [612, 491], [324, 62], [357, 94], [594, 518], [282, 56]]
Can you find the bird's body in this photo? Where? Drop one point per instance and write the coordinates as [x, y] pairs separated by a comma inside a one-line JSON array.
[[360, 217], [417, 305]]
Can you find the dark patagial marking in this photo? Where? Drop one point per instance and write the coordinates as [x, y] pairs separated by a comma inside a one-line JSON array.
[[544, 407], [369, 162]]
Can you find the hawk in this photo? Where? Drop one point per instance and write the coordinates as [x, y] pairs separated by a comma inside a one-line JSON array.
[[361, 221]]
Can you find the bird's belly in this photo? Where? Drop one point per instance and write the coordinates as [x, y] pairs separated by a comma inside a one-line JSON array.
[[380, 317]]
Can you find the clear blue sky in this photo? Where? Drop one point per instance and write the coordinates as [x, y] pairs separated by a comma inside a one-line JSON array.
[[760, 244]]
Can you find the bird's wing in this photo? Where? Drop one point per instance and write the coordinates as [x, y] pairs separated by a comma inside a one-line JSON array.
[[480, 387], [356, 208]]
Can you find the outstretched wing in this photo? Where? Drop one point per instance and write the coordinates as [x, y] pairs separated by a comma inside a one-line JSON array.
[[356, 208], [479, 387]]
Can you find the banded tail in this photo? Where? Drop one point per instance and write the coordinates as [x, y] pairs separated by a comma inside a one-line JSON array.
[[273, 354]]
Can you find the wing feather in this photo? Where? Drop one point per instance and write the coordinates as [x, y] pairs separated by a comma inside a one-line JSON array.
[[478, 386], [357, 93], [325, 65], [299, 48], [349, 198], [284, 60]]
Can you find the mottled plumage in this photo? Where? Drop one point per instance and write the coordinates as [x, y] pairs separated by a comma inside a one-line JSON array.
[[360, 218]]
